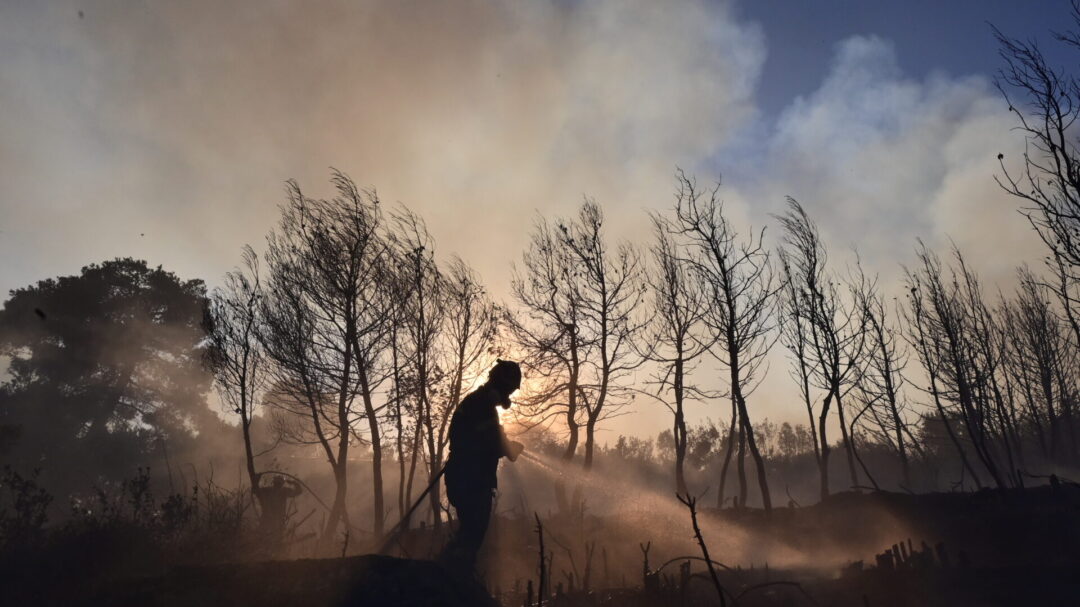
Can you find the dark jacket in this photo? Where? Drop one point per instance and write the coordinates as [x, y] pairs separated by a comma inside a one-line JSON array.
[[477, 441]]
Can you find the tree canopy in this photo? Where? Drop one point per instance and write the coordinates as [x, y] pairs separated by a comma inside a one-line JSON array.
[[103, 367]]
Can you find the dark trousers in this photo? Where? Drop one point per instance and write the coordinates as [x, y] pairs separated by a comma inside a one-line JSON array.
[[473, 507]]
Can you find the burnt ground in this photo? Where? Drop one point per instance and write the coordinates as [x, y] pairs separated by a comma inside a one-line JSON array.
[[360, 580], [1033, 527], [1019, 547], [1015, 547]]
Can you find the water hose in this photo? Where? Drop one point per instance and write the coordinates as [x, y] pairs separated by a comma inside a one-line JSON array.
[[402, 524]]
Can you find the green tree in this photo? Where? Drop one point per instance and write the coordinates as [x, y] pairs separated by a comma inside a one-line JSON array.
[[103, 368]]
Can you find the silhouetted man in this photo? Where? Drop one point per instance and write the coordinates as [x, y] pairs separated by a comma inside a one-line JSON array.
[[274, 503], [477, 441]]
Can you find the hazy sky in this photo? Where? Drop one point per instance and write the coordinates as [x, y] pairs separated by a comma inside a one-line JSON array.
[[164, 130]]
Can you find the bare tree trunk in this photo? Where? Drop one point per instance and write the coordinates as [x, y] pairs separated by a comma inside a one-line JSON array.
[[679, 431], [378, 503], [854, 446], [594, 416], [400, 446], [810, 414], [759, 462], [590, 441], [571, 399], [952, 434], [414, 455], [249, 454], [727, 457], [740, 462], [399, 422], [337, 507], [848, 446], [571, 424], [825, 449]]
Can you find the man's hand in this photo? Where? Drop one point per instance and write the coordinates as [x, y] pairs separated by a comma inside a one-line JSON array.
[[514, 450]]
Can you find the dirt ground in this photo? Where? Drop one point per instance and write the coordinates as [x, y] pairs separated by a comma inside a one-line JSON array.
[[881, 549]]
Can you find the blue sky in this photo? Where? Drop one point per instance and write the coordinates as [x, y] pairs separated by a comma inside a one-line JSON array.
[[930, 35]]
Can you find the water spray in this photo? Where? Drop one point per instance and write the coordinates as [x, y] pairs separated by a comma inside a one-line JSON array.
[[539, 462]]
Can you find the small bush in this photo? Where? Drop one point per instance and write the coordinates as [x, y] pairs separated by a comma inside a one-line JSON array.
[[23, 507]]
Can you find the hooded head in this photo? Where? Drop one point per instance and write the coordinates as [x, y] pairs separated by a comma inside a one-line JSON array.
[[505, 377]]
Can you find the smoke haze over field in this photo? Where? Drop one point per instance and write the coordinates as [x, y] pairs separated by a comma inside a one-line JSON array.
[[164, 131]]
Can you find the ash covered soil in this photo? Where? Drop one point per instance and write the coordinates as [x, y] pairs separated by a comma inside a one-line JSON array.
[[360, 580], [1017, 547]]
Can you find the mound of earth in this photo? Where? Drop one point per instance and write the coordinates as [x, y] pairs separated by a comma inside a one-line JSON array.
[[1035, 527], [362, 580]]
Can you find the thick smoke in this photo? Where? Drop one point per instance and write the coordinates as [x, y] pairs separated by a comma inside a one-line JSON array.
[[165, 131]]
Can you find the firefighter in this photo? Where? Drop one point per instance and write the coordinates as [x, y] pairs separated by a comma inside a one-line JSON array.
[[477, 442]]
